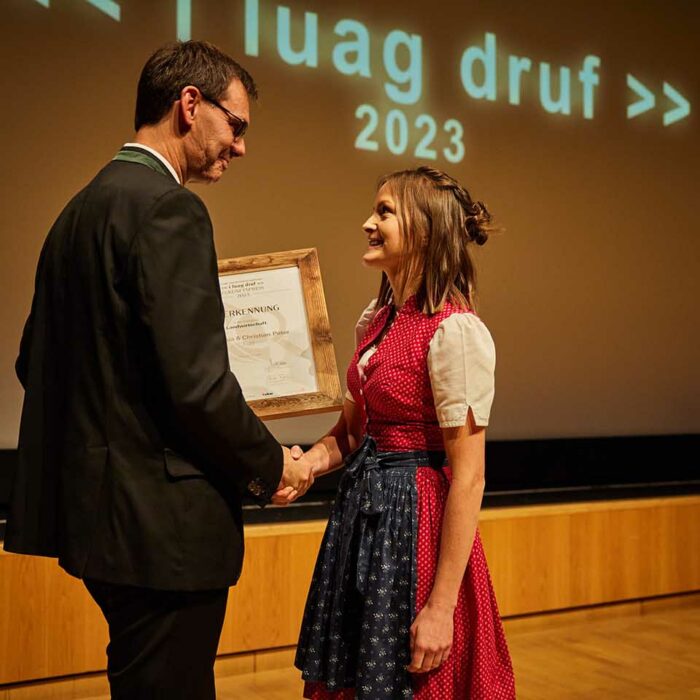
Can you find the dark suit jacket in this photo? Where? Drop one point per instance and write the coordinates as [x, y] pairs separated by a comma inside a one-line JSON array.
[[135, 443]]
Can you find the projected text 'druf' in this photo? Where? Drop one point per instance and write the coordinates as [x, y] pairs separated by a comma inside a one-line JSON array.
[[395, 61]]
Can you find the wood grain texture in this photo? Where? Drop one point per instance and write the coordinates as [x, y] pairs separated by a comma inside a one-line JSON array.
[[542, 558], [616, 654], [329, 394], [645, 657], [648, 656], [265, 608], [557, 557], [49, 625]]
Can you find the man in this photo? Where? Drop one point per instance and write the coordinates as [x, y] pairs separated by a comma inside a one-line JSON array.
[[136, 444]]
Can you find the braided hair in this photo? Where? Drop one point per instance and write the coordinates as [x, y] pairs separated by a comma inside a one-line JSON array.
[[438, 220]]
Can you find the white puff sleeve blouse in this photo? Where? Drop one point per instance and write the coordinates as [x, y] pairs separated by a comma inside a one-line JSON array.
[[461, 364], [361, 327]]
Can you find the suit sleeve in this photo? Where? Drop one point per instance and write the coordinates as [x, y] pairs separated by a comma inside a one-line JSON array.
[[22, 362], [180, 307]]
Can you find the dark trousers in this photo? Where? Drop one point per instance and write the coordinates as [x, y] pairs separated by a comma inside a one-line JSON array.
[[162, 643]]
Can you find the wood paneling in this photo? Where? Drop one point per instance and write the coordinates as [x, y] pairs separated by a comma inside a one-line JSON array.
[[49, 625], [542, 558], [566, 556], [264, 609]]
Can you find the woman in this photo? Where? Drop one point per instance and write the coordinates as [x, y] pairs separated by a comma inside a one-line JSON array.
[[401, 603]]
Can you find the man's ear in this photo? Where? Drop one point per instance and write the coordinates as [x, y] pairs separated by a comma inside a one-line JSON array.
[[188, 105]]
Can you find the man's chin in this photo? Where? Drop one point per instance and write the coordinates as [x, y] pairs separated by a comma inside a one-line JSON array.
[[209, 176], [215, 173]]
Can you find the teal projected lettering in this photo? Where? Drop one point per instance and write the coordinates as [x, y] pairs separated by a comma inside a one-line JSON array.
[[358, 49], [184, 20], [363, 141], [562, 104], [486, 58], [647, 101], [109, 7], [410, 77], [516, 67], [405, 77], [396, 132], [399, 134], [295, 34], [422, 149], [479, 74], [589, 79], [308, 55], [455, 152], [682, 108]]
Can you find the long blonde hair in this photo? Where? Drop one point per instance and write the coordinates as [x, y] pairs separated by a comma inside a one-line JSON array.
[[438, 220]]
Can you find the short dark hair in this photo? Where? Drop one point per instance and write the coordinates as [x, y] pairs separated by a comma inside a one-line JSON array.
[[182, 63]]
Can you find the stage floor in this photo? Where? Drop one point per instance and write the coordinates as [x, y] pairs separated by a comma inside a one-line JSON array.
[[627, 655], [643, 650]]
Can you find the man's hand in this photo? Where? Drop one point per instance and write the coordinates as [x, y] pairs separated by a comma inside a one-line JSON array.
[[297, 476], [288, 494]]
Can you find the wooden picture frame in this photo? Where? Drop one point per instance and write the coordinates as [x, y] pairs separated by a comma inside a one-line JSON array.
[[327, 395]]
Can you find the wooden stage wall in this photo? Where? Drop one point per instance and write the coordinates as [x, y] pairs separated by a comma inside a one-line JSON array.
[[542, 558]]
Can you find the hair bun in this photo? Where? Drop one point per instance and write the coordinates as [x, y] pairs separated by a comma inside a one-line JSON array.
[[478, 223]]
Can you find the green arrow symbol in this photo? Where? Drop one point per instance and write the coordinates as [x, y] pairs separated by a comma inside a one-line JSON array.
[[644, 104], [109, 7], [682, 108]]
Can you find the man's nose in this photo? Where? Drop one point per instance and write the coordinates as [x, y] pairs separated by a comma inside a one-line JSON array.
[[238, 148]]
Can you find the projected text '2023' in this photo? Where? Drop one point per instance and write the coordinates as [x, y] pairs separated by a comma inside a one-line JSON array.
[[398, 133]]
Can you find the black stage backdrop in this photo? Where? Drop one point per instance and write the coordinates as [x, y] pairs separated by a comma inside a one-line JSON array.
[[523, 472]]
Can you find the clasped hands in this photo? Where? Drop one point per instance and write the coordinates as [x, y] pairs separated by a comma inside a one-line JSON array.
[[297, 476]]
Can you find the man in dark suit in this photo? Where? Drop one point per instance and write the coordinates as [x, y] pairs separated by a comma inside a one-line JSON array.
[[136, 444]]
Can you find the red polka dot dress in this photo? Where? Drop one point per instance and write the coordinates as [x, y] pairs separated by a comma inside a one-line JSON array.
[[379, 555]]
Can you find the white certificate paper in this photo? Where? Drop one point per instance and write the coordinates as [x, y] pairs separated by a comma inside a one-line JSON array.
[[269, 347]]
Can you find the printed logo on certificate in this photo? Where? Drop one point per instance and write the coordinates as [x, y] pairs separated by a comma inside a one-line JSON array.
[[278, 335]]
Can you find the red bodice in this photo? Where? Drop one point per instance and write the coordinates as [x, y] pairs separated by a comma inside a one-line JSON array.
[[396, 397]]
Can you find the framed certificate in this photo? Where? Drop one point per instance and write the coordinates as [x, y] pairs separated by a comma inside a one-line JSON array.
[[278, 334]]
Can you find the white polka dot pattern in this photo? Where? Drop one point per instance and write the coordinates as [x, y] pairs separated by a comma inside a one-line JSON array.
[[396, 381], [479, 666], [397, 404]]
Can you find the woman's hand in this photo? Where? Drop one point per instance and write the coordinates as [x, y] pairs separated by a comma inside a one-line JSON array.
[[431, 637], [285, 496]]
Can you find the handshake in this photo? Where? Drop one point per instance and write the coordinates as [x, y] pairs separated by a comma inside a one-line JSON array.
[[297, 476]]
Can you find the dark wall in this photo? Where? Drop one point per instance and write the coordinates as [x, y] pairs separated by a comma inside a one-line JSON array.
[[530, 471]]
